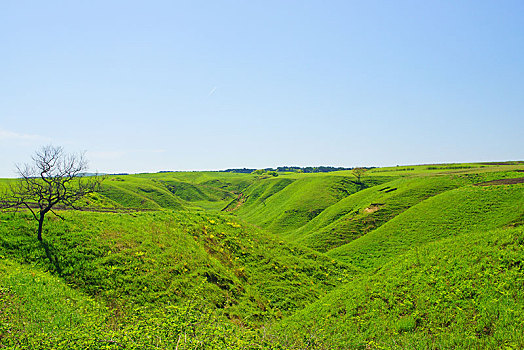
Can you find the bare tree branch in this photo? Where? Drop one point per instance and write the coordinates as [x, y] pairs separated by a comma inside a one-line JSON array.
[[54, 177]]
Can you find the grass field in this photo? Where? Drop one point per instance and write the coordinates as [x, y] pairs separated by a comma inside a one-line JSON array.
[[424, 256]]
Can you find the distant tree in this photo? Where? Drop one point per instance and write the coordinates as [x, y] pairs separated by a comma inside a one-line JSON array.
[[53, 178], [272, 173], [358, 173]]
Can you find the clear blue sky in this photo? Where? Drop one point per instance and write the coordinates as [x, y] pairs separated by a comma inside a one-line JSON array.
[[192, 85]]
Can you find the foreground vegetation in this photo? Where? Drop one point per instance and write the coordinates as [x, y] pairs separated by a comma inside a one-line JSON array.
[[408, 257]]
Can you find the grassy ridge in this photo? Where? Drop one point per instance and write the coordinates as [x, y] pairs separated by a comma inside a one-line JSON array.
[[285, 204], [157, 257], [418, 258], [451, 213], [461, 292], [367, 210]]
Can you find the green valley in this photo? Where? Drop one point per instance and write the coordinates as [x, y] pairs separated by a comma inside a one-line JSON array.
[[409, 257]]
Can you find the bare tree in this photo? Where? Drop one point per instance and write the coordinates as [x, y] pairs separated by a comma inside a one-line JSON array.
[[358, 173], [53, 178]]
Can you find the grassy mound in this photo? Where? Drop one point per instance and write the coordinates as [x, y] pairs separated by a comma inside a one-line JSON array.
[[461, 292], [417, 257], [151, 258], [367, 210], [451, 213], [290, 202]]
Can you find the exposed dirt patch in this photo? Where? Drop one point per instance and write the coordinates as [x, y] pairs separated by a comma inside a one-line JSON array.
[[513, 181], [373, 208], [236, 203]]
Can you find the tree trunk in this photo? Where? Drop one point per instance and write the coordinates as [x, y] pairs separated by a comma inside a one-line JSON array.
[[40, 225]]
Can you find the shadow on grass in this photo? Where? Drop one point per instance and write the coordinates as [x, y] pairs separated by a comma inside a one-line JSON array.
[[52, 255]]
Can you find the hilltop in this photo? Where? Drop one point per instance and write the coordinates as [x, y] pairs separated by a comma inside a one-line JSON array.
[[425, 256]]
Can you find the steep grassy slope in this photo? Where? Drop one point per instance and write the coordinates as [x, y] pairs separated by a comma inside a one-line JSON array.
[[157, 257], [133, 192], [462, 292], [40, 311], [417, 259], [34, 305], [451, 213], [287, 203], [367, 210]]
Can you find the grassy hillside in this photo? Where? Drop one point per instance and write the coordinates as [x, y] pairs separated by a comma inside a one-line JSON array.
[[367, 210], [129, 191], [39, 311], [463, 292], [424, 256], [157, 257], [451, 213], [290, 202]]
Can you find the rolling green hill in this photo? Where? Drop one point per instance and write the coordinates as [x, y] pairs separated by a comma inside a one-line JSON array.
[[290, 202], [463, 292], [425, 256], [466, 209]]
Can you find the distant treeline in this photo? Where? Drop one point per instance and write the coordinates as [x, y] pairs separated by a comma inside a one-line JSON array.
[[296, 169]]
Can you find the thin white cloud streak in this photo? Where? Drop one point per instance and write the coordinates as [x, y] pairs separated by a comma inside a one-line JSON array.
[[212, 91], [7, 135]]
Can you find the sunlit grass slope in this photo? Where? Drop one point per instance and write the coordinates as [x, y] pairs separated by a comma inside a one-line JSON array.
[[153, 258], [451, 213], [462, 292], [365, 211], [417, 257], [35, 305], [287, 203], [40, 311], [362, 212]]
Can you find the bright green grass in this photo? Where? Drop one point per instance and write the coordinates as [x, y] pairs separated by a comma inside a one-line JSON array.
[[203, 196], [183, 279], [39, 311], [35, 305], [192, 190], [157, 257], [451, 213], [463, 292], [139, 193], [367, 210], [281, 204], [229, 181]]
